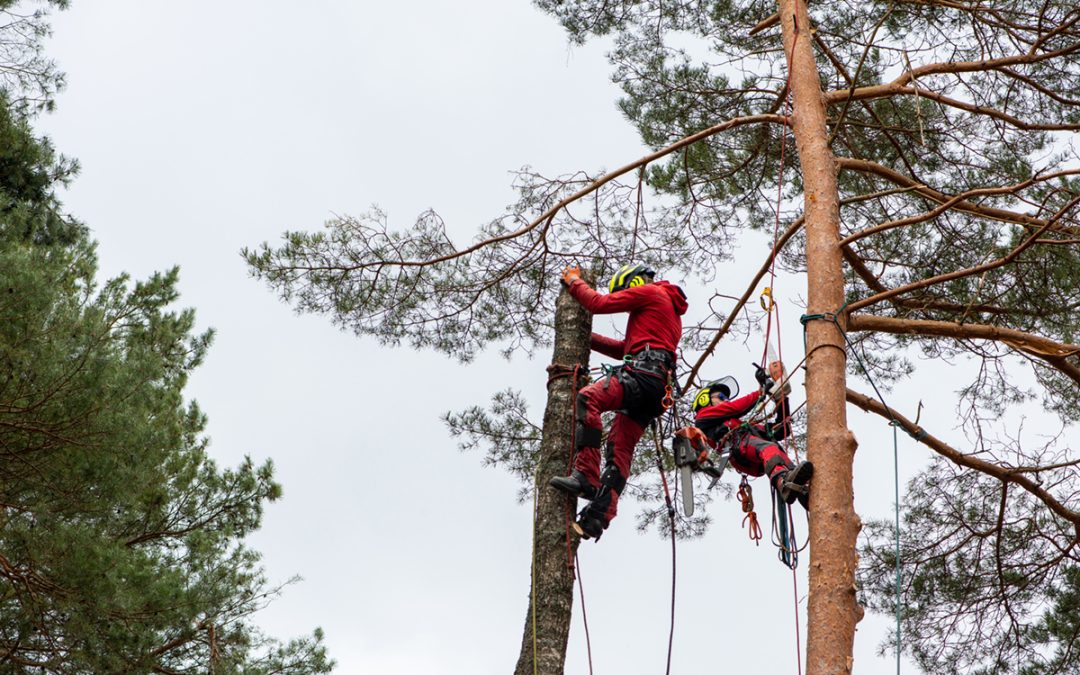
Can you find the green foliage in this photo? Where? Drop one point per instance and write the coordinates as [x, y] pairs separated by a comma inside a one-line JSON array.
[[418, 287], [121, 539], [978, 571], [27, 76], [504, 431], [993, 87], [29, 169], [684, 66], [949, 159], [1059, 627]]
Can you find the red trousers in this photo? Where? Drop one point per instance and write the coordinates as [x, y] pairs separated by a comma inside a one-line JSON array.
[[598, 397], [755, 456]]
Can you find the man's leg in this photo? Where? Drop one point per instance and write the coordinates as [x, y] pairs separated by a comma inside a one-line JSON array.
[[791, 481], [607, 394], [622, 439], [774, 460]]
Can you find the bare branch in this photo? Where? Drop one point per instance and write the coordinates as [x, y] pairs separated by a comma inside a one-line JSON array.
[[1054, 353], [1002, 473]]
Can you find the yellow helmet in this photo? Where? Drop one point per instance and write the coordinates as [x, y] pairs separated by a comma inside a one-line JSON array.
[[727, 387], [629, 276]]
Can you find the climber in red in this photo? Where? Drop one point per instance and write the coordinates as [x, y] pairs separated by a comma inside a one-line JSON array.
[[754, 448], [635, 390]]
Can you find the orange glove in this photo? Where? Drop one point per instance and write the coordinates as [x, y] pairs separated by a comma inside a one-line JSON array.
[[696, 436], [570, 275]]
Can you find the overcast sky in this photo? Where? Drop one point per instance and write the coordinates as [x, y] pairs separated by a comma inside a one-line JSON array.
[[204, 127]]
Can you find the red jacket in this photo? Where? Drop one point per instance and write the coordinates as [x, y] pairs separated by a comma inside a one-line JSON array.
[[655, 310], [717, 420]]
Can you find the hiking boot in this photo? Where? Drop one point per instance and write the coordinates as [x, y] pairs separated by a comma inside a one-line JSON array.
[[575, 485], [794, 484], [589, 527]]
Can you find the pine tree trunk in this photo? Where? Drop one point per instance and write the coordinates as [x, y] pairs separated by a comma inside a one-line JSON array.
[[552, 595], [832, 607]]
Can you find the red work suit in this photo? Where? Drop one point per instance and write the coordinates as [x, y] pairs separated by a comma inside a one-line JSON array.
[[653, 330], [754, 448]]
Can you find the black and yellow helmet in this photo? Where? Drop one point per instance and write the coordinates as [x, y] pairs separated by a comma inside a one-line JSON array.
[[629, 276], [727, 387]]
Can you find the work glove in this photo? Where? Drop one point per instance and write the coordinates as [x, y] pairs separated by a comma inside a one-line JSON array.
[[700, 443], [570, 275], [763, 379], [696, 436]]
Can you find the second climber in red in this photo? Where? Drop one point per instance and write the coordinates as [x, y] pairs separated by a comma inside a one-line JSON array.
[[754, 449], [634, 390]]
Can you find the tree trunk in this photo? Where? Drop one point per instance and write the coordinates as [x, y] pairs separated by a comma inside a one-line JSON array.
[[552, 597], [832, 607]]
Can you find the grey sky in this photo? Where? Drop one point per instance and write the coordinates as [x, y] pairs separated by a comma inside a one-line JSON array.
[[205, 127]]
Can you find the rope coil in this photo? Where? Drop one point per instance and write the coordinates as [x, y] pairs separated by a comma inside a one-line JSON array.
[[746, 499]]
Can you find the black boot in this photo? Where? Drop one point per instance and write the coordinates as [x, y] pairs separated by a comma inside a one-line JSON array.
[[589, 526], [793, 484], [575, 485]]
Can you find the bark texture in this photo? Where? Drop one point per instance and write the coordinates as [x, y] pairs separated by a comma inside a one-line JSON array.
[[552, 596], [832, 607]]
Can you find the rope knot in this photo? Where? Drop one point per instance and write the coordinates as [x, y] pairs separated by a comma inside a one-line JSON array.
[[558, 371]]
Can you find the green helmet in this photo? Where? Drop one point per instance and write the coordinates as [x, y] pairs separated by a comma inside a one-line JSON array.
[[629, 276], [727, 387]]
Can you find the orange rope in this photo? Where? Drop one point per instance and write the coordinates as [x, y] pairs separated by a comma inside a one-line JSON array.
[[746, 498], [570, 555]]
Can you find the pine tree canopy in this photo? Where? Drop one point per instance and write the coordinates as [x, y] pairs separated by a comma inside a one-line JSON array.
[[121, 540], [952, 129]]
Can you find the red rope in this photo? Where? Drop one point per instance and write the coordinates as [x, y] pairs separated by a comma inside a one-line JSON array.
[[571, 556], [779, 199], [746, 498], [573, 563], [584, 615], [798, 639], [780, 355], [671, 521]]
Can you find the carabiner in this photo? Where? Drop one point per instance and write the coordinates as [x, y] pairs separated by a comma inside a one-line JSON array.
[[767, 293], [668, 399]]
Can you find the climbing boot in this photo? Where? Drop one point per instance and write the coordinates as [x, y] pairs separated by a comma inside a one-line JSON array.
[[589, 527], [575, 485], [794, 483]]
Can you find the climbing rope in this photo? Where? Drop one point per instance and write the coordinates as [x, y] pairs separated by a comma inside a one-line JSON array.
[[746, 499], [555, 372], [584, 615], [671, 523], [896, 480], [532, 597], [783, 533], [788, 544]]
